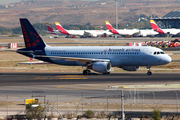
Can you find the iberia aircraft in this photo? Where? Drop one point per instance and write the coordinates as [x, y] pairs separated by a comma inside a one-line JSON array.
[[84, 33], [98, 58], [171, 31], [133, 32], [52, 31]]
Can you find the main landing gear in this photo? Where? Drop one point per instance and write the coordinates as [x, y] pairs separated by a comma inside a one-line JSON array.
[[106, 73], [149, 71], [86, 72]]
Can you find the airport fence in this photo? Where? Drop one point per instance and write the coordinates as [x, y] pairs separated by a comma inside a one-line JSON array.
[[135, 102]]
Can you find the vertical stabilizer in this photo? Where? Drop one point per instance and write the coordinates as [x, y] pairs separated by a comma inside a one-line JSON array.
[[50, 29], [155, 27], [61, 29], [110, 28], [32, 39]]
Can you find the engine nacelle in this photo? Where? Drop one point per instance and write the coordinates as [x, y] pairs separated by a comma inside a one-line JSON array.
[[103, 67], [130, 68]]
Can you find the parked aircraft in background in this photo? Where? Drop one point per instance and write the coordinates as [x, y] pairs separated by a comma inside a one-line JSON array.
[[52, 31], [82, 33], [131, 32], [98, 58], [147, 32], [171, 31]]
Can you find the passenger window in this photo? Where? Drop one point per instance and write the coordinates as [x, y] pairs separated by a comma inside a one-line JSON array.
[[158, 52], [154, 53]]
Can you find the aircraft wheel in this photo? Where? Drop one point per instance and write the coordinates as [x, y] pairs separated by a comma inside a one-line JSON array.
[[149, 73], [86, 72], [106, 73]]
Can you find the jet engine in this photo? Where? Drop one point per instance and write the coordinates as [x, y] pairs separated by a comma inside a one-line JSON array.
[[130, 68], [103, 67]]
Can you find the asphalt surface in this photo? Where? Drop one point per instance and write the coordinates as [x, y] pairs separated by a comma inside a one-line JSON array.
[[20, 79], [72, 86]]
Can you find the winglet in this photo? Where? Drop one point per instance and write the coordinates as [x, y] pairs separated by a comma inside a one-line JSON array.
[[155, 27], [60, 28], [110, 28]]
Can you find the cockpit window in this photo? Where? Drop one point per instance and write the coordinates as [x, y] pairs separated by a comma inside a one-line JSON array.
[[162, 52], [158, 52]]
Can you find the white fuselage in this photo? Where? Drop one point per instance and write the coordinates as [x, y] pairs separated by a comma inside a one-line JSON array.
[[128, 31], [148, 32], [118, 55], [172, 31], [93, 33], [137, 32]]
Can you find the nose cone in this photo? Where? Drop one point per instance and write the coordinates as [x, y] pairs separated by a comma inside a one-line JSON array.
[[167, 59]]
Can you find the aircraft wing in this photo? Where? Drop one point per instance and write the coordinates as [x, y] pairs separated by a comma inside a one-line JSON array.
[[175, 32], [16, 50], [81, 60], [87, 33], [11, 50], [136, 33]]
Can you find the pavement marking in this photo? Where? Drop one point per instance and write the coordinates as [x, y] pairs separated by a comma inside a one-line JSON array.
[[149, 86], [59, 78], [72, 78], [71, 75]]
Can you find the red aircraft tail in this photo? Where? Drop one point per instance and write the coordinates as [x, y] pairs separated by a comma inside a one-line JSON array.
[[110, 28], [156, 28]]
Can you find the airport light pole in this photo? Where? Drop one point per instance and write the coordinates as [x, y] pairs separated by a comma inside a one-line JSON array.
[[116, 18], [122, 103], [176, 100], [107, 100], [7, 104], [153, 99]]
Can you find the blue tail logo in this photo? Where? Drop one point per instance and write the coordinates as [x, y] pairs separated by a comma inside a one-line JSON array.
[[32, 39]]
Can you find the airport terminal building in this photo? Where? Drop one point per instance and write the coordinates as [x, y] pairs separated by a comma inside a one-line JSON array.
[[170, 20]]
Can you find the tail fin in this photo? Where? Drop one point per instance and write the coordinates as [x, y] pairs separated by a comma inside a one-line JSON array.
[[155, 27], [32, 39], [110, 28], [50, 29], [61, 29]]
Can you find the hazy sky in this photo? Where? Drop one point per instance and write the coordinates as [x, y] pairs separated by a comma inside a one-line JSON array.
[[8, 1]]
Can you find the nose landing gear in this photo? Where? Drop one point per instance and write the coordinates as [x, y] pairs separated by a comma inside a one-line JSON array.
[[149, 70]]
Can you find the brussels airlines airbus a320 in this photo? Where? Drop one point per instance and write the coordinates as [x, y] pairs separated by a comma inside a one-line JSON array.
[[98, 58]]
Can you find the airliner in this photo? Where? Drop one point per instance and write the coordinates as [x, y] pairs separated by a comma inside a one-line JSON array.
[[171, 31], [132, 32], [98, 58], [83, 33], [52, 31]]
